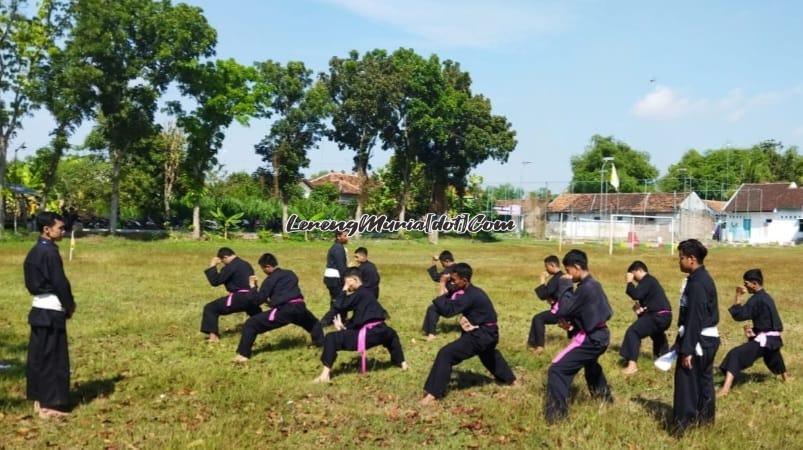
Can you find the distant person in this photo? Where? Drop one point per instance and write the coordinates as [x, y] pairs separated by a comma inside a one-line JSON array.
[[333, 276], [368, 271], [547, 290], [763, 338], [48, 366], [234, 275], [443, 279], [654, 316]]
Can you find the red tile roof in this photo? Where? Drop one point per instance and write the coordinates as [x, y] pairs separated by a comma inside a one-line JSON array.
[[765, 197], [715, 205], [346, 183], [631, 203]]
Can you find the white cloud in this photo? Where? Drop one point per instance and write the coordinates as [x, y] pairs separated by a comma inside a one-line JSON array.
[[469, 23], [666, 103]]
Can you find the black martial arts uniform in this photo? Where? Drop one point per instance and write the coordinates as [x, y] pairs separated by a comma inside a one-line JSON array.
[[653, 322], [587, 309], [760, 308], [432, 315], [335, 262], [48, 366], [234, 276], [694, 398], [548, 292], [281, 292], [367, 323], [475, 306], [370, 277]]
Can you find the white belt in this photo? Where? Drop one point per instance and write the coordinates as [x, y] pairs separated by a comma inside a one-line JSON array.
[[762, 337], [707, 332], [47, 301], [331, 273]]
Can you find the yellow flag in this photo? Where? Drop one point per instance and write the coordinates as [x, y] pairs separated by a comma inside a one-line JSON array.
[[614, 178]]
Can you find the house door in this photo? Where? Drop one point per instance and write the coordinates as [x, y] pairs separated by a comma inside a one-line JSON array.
[[746, 225]]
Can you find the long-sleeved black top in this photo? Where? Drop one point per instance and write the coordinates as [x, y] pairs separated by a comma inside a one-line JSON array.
[[699, 309], [585, 306], [760, 308], [365, 306], [233, 275], [474, 304], [44, 274], [435, 275], [336, 259], [549, 291], [277, 289], [370, 277], [649, 294]]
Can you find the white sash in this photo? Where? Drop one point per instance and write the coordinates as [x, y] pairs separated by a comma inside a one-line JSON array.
[[331, 273], [47, 301]]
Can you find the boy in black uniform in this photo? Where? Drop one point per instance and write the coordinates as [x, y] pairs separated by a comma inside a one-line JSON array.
[[547, 290], [48, 367], [479, 338], [234, 276], [583, 312], [698, 340], [444, 287], [763, 338], [654, 316], [281, 292], [368, 272], [336, 266], [366, 328]]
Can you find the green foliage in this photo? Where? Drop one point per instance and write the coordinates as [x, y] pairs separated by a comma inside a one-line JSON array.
[[226, 222], [632, 166]]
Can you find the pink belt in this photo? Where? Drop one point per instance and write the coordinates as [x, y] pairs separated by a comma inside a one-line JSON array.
[[272, 314], [554, 308], [456, 294], [361, 335], [663, 311], [231, 294], [577, 341], [761, 338]]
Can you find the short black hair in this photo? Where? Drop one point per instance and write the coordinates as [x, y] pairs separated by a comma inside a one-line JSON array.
[[446, 255], [576, 258], [463, 270], [693, 247], [552, 259], [362, 251], [754, 275], [637, 265], [224, 252], [340, 233], [267, 259], [353, 272], [47, 219]]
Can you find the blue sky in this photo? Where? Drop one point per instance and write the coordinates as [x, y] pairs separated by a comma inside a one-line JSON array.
[[725, 72]]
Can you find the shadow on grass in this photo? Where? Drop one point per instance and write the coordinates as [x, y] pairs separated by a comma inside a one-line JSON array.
[[12, 369], [449, 326], [285, 343], [660, 411], [745, 378], [353, 365], [642, 354], [86, 392]]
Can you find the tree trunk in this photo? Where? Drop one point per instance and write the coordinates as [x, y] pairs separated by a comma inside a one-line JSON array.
[[438, 206], [284, 216], [59, 145], [3, 167], [116, 157], [196, 219], [361, 177]]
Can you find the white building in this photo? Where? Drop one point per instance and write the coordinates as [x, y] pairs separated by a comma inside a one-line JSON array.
[[765, 213]]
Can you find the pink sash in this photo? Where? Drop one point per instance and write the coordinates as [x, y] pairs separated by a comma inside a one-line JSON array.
[[663, 311], [554, 308], [576, 341], [456, 294], [231, 294], [761, 338], [361, 335], [273, 310]]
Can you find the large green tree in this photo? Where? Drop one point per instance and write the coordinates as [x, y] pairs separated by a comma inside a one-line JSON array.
[[632, 166], [299, 106], [130, 50]]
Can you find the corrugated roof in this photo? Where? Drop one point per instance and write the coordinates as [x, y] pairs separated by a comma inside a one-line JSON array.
[[765, 197], [346, 183], [630, 203]]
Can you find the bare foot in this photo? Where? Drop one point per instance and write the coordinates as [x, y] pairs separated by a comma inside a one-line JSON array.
[[630, 369], [430, 337], [240, 359], [404, 365], [537, 350], [36, 406], [428, 400], [213, 338], [47, 413], [723, 393], [785, 377], [324, 376]]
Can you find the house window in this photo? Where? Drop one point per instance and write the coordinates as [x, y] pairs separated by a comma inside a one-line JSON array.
[[800, 225], [597, 218]]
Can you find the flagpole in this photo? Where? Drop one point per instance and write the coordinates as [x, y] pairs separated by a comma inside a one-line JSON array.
[[72, 243]]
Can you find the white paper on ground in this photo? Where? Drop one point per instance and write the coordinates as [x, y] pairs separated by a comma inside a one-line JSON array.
[[665, 361]]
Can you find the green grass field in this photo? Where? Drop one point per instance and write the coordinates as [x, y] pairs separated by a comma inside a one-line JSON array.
[[143, 377]]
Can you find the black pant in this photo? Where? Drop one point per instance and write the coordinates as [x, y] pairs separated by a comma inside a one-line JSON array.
[[481, 342], [649, 324], [347, 340], [295, 313], [743, 356], [561, 374], [48, 367], [216, 308], [335, 287], [694, 398], [538, 329]]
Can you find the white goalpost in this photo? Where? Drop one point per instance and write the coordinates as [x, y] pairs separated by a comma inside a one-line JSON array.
[[635, 229]]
